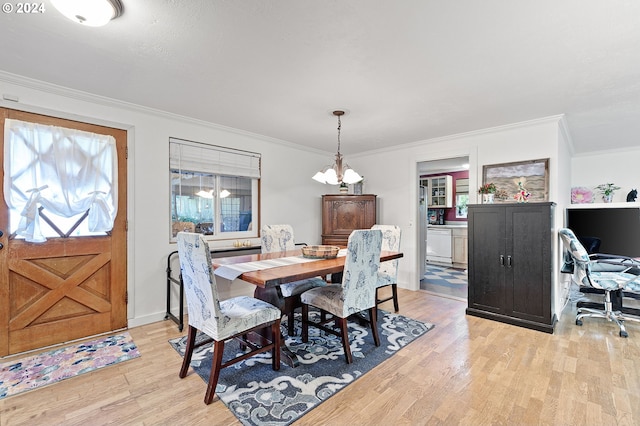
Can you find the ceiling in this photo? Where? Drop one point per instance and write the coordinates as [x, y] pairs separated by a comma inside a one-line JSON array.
[[404, 71]]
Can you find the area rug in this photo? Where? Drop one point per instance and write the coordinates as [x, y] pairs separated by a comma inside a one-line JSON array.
[[43, 369], [257, 395]]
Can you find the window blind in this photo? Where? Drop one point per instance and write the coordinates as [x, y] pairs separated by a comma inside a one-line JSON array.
[[200, 157]]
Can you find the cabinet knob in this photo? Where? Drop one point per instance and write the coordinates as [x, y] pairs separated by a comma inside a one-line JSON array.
[[509, 262], [502, 260]]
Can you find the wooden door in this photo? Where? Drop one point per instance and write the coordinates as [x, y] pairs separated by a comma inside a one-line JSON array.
[[68, 287]]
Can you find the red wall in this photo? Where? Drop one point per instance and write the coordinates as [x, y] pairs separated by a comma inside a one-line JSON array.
[[450, 214]]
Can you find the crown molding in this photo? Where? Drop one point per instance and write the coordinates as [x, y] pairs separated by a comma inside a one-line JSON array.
[[80, 95]]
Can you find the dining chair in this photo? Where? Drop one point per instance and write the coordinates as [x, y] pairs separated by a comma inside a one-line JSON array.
[[222, 320], [356, 294], [388, 272], [279, 238], [606, 272]]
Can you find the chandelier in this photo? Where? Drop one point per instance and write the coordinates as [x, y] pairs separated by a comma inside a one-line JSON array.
[[337, 173]]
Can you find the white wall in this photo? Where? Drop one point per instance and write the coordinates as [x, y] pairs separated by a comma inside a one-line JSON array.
[[288, 195], [618, 167], [561, 169]]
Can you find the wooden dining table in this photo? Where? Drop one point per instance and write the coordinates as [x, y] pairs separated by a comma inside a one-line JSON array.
[[275, 276], [269, 279]]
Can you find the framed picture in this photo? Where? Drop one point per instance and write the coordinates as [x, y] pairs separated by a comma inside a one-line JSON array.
[[519, 182]]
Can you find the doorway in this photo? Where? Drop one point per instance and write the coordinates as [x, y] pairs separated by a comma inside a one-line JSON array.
[[70, 285], [441, 217]]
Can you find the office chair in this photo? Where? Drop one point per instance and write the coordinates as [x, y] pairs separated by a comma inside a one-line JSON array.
[[607, 272]]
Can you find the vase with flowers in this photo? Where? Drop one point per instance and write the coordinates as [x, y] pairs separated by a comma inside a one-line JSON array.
[[607, 190], [488, 191]]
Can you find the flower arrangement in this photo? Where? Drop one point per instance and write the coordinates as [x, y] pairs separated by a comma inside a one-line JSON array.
[[488, 188], [607, 188]]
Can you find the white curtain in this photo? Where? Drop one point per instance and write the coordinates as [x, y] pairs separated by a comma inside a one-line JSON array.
[[66, 171]]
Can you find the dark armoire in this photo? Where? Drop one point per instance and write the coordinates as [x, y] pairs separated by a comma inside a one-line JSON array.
[[511, 264]]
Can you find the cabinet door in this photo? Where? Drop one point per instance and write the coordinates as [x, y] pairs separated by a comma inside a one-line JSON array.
[[528, 266], [486, 227], [341, 214], [459, 248], [439, 192]]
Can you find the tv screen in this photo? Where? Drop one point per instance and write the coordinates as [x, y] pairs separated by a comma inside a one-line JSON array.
[[617, 228]]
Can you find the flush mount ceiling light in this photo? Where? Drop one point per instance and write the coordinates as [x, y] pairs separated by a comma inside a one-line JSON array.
[[337, 173], [93, 13]]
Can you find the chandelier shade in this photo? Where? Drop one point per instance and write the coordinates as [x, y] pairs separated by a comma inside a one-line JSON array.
[[337, 173]]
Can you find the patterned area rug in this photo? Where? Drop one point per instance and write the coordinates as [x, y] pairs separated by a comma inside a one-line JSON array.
[[58, 364], [257, 395]]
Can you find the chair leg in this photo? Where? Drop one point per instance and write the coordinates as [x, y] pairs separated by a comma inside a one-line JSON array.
[[373, 319], [305, 323], [394, 290], [216, 365], [275, 352], [345, 339], [289, 308], [188, 352]]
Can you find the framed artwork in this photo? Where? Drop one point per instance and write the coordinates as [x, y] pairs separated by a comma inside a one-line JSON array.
[[524, 181]]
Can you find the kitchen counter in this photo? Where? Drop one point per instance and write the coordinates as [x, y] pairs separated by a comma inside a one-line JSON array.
[[448, 226]]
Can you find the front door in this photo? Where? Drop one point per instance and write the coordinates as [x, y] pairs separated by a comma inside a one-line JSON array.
[[69, 286]]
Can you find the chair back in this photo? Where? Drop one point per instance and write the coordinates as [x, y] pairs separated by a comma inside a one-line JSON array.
[[203, 302], [390, 242], [579, 255], [360, 274], [276, 238]]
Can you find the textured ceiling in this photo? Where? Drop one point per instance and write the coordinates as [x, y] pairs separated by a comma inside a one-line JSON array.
[[404, 70]]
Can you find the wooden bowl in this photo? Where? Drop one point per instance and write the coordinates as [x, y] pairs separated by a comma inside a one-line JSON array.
[[320, 252]]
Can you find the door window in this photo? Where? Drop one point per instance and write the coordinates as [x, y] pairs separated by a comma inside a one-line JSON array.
[[58, 182]]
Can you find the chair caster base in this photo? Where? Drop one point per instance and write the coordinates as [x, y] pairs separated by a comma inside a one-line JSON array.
[[578, 322], [624, 334]]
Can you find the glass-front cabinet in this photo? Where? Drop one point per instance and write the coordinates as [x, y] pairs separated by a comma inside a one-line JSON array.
[[439, 191]]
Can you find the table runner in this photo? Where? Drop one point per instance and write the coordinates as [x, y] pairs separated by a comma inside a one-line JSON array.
[[234, 270]]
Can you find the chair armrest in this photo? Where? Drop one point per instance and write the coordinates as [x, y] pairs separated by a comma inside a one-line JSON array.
[[625, 263]]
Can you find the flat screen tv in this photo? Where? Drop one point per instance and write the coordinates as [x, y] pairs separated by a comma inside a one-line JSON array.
[[617, 228]]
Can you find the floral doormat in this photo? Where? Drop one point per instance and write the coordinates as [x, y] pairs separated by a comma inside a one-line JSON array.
[[43, 369], [257, 395]]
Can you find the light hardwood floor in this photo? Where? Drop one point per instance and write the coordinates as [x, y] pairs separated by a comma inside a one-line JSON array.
[[466, 370]]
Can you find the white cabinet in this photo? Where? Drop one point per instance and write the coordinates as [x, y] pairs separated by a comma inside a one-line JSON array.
[[459, 242], [439, 245], [439, 191]]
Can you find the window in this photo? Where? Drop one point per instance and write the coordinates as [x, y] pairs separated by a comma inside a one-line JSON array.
[[214, 190], [59, 182]]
